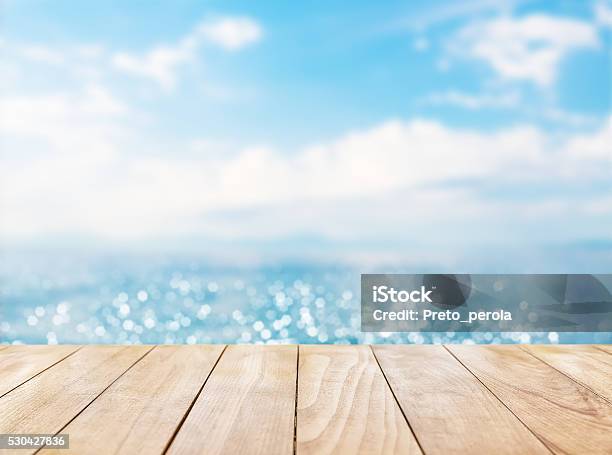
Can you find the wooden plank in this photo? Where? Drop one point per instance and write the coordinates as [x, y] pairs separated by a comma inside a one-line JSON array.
[[139, 413], [20, 363], [604, 347], [568, 417], [449, 410], [585, 364], [246, 406], [47, 402], [345, 405]]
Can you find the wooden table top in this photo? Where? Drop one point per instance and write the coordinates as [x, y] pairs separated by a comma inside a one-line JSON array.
[[310, 399]]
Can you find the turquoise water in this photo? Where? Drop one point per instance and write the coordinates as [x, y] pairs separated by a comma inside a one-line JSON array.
[[160, 300]]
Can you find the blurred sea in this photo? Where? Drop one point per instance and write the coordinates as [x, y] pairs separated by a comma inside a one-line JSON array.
[[55, 299]]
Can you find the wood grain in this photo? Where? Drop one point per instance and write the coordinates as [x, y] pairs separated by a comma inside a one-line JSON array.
[[467, 399], [449, 410], [345, 405], [585, 364], [246, 406], [20, 363], [604, 347], [50, 400], [139, 413], [568, 417]]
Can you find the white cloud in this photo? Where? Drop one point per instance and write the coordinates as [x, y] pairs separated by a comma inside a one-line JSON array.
[[85, 118], [232, 33], [77, 62], [162, 62], [568, 118], [475, 101], [528, 48], [603, 13], [159, 64], [594, 148], [452, 11], [599, 206], [74, 162], [53, 147], [42, 54], [94, 184], [510, 99]]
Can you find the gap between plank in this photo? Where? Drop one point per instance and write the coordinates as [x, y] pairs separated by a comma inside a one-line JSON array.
[[42, 371], [565, 374], [182, 421], [599, 349], [297, 372], [498, 399], [396, 400], [98, 395]]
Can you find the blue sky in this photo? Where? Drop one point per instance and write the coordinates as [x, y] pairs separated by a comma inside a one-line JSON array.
[[322, 68], [421, 129]]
